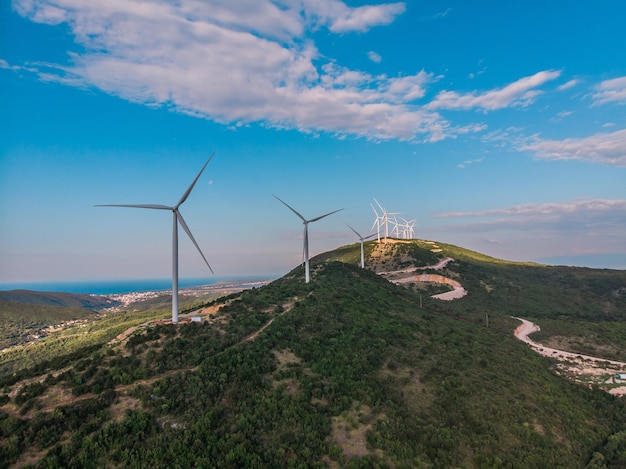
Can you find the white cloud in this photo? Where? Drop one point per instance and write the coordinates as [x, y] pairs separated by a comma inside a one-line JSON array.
[[374, 57], [603, 148], [610, 91], [519, 93], [240, 62], [342, 18], [568, 85]]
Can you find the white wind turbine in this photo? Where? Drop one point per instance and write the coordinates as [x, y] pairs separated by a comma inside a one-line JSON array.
[[178, 218], [396, 225], [411, 228], [306, 235], [404, 226], [377, 222], [362, 239], [384, 219]]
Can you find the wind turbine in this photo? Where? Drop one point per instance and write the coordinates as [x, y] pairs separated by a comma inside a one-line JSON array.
[[306, 235], [411, 228], [384, 219], [396, 225], [405, 228], [178, 218], [362, 239], [377, 222]]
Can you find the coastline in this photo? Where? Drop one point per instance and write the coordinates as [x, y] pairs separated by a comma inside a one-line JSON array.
[[223, 287]]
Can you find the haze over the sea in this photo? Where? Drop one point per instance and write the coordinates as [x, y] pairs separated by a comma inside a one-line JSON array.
[[111, 287]]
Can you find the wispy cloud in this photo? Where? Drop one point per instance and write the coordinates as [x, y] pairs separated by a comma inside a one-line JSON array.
[[540, 230], [610, 91], [602, 148], [519, 93], [561, 115], [615, 207], [469, 162], [590, 224], [436, 16], [568, 85]]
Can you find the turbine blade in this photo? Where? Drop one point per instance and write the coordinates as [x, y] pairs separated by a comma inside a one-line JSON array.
[[381, 207], [292, 209], [370, 236], [190, 188], [322, 216], [154, 206], [355, 231], [188, 231], [375, 212]]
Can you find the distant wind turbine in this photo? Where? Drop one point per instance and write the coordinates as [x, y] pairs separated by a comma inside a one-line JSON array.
[[306, 235], [362, 239], [377, 222], [408, 228], [384, 219], [178, 218]]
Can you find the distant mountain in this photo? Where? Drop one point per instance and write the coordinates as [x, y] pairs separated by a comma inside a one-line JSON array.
[[68, 300], [349, 370]]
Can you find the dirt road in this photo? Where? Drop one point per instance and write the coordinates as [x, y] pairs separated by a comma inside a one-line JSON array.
[[581, 368]]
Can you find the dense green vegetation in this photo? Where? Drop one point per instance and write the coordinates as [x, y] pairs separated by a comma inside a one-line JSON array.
[[349, 370], [586, 304]]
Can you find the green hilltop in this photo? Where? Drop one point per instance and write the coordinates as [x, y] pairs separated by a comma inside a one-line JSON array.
[[349, 370]]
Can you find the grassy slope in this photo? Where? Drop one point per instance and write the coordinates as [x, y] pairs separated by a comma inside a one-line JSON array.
[[354, 371]]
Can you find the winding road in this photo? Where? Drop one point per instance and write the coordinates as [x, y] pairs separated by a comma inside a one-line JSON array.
[[457, 289], [527, 328], [584, 369]]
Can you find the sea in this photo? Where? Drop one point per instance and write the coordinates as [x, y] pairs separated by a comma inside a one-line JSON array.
[[112, 287]]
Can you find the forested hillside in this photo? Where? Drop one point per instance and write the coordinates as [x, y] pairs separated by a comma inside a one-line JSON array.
[[27, 315], [68, 300], [349, 370]]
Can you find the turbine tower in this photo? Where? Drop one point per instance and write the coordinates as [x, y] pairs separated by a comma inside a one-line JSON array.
[[305, 248], [362, 239], [178, 218]]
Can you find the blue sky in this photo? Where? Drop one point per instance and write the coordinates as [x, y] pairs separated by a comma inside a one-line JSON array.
[[498, 126]]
